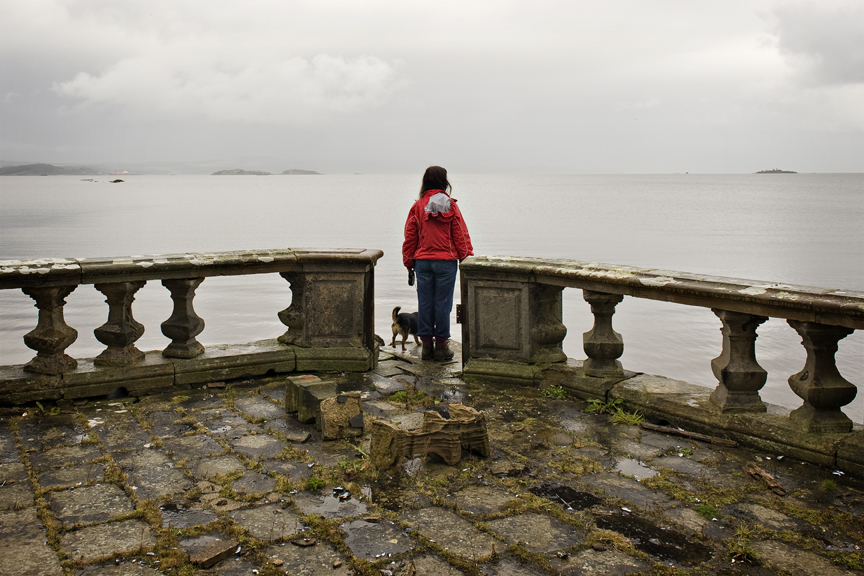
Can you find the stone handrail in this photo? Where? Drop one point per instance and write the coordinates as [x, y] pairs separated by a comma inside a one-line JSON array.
[[330, 320], [512, 326]]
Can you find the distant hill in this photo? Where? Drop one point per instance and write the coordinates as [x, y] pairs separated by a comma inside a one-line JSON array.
[[296, 172], [239, 172], [46, 170]]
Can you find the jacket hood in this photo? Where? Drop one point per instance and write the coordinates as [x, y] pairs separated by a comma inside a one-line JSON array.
[[439, 205]]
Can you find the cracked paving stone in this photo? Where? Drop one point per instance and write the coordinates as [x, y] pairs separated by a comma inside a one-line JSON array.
[[165, 424], [536, 532], [24, 547], [428, 565], [293, 470], [761, 515], [208, 549], [89, 504], [51, 431], [636, 450], [258, 446], [122, 435], [64, 455], [683, 465], [122, 569], [210, 467], [508, 568], [329, 506], [231, 567], [482, 499], [607, 563], [371, 539], [106, 540], [315, 560], [154, 474], [451, 533], [8, 446], [793, 561], [254, 483], [16, 491], [176, 515], [257, 408], [72, 476], [617, 486], [207, 402], [194, 445], [268, 522]]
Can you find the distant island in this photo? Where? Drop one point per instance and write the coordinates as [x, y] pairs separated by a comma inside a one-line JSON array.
[[239, 172], [46, 170], [776, 171], [296, 172]]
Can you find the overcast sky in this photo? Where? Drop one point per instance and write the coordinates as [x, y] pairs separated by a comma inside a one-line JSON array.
[[638, 86]]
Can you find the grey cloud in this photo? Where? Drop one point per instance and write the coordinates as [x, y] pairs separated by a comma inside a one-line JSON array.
[[823, 42]]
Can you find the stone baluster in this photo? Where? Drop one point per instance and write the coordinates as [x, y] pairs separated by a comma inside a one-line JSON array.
[[820, 384], [184, 324], [602, 344], [547, 330], [121, 330], [293, 316], [52, 335], [739, 375]]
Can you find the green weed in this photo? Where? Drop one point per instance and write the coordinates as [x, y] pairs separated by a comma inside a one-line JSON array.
[[557, 392]]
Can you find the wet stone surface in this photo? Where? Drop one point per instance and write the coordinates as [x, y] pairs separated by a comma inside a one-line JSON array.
[[557, 495]]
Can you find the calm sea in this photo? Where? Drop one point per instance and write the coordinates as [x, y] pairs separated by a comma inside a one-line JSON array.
[[798, 228]]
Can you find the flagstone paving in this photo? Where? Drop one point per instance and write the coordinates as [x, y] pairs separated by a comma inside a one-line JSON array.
[[220, 481]]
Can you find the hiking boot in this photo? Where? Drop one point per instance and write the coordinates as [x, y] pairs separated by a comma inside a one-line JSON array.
[[428, 351], [442, 351]]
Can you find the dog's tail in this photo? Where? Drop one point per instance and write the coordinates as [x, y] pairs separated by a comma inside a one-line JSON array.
[[396, 312]]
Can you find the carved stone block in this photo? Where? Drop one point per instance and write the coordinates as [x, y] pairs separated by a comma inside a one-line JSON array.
[[341, 416], [292, 390], [461, 427], [311, 395]]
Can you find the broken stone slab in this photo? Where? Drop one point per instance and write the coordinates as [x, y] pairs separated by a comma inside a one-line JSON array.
[[269, 522], [452, 532], [89, 504], [371, 540], [445, 437], [386, 386], [341, 416], [208, 549], [292, 390], [310, 397]]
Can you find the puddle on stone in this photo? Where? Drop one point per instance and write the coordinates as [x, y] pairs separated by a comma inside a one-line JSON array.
[[661, 543], [635, 469], [566, 495], [452, 395]]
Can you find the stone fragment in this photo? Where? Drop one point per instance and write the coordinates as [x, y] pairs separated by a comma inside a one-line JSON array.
[[338, 416], [89, 504], [452, 533], [311, 395], [106, 540], [297, 436], [208, 549], [268, 522], [380, 409], [446, 437], [386, 386], [292, 390]]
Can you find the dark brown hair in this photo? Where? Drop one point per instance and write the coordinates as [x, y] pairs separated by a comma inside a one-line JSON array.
[[435, 178]]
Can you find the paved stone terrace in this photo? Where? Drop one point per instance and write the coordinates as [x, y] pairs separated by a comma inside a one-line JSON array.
[[221, 481]]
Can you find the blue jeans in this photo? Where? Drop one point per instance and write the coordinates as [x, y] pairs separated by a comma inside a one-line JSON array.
[[435, 282]]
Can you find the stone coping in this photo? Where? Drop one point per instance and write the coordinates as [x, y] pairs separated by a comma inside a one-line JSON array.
[[807, 303], [69, 271]]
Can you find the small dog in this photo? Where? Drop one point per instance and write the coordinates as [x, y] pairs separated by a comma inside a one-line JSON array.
[[404, 325]]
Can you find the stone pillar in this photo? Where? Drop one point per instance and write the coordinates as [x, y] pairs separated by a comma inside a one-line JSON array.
[[121, 330], [820, 384], [183, 325], [52, 335], [739, 375], [547, 329], [602, 344]]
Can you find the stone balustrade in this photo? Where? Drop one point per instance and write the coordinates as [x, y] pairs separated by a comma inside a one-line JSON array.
[[512, 328], [330, 321]]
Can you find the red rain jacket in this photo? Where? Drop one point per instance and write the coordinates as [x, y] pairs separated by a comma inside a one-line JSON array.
[[435, 231]]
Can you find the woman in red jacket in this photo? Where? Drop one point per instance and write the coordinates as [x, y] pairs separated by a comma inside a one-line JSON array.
[[436, 240]]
